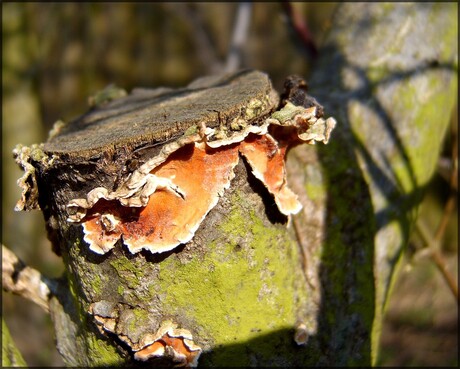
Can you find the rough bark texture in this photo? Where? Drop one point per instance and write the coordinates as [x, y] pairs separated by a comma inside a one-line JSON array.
[[387, 74]]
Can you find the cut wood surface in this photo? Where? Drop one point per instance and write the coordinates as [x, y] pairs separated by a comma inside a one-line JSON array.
[[157, 115]]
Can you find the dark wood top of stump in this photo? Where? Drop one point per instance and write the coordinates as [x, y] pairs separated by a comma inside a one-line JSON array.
[[158, 115]]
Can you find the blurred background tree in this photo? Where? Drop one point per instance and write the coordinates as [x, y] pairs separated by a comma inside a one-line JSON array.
[[56, 55]]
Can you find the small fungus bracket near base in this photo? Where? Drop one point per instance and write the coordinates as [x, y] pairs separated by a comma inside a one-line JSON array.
[[191, 139], [167, 344]]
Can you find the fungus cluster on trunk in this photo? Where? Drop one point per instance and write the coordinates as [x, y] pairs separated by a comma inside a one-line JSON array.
[[183, 188], [162, 204]]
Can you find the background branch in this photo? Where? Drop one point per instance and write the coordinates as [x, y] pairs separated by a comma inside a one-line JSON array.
[[431, 248], [432, 244], [207, 49], [300, 28], [450, 204], [25, 281], [239, 37]]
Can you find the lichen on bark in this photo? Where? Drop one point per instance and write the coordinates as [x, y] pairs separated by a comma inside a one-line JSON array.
[[390, 81]]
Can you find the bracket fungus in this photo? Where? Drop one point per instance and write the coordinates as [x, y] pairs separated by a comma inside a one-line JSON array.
[[169, 343], [188, 142], [172, 343]]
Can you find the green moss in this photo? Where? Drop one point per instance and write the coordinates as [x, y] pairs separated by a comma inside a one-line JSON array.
[[73, 289], [10, 354], [128, 271], [424, 155], [109, 93], [120, 290], [152, 289], [140, 319], [314, 192], [241, 287], [376, 74], [450, 31], [96, 283], [191, 130], [101, 353], [287, 112]]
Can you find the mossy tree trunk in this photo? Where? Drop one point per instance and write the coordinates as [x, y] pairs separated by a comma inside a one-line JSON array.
[[246, 285], [388, 74], [237, 286]]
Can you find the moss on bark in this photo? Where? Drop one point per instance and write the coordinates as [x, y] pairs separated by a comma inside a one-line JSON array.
[[10, 353], [388, 73]]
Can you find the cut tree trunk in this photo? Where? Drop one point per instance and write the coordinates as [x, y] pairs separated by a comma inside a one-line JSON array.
[[148, 268]]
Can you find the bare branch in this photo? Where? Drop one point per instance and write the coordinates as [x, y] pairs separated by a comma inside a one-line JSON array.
[[438, 259], [25, 281], [300, 28], [432, 250], [444, 169], [451, 202], [207, 52], [240, 33], [433, 243]]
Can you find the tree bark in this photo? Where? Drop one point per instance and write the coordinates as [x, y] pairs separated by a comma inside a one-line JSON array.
[[388, 74], [242, 286]]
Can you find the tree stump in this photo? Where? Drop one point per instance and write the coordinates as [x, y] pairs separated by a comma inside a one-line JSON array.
[[170, 209]]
